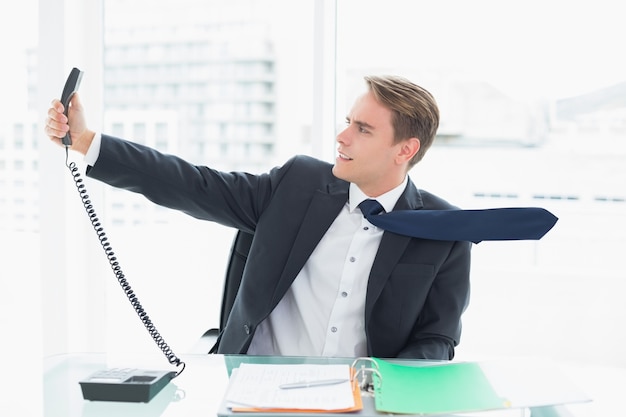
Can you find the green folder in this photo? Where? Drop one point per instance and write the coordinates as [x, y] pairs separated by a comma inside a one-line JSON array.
[[434, 389]]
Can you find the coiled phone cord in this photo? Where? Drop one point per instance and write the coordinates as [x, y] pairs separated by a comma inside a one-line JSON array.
[[117, 270]]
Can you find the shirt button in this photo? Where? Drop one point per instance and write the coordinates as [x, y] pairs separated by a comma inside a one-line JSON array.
[[333, 329], [352, 259], [246, 328], [366, 228], [344, 294]]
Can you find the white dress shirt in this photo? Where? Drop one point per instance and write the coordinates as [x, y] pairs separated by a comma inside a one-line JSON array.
[[323, 312], [94, 150]]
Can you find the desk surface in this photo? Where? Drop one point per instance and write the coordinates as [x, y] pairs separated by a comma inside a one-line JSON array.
[[198, 391]]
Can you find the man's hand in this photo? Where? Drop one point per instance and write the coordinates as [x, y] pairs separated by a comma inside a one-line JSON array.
[[57, 125]]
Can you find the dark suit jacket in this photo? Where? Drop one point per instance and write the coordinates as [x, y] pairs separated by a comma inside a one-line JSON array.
[[417, 289]]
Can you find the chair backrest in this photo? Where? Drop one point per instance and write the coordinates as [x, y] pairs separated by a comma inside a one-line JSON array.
[[234, 271]]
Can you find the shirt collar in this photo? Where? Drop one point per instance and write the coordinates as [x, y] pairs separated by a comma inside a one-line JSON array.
[[388, 200]]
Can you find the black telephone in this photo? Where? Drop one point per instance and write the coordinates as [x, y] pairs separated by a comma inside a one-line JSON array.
[[130, 385]]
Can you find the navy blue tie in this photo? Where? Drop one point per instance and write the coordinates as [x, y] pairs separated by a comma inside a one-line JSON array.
[[515, 223]]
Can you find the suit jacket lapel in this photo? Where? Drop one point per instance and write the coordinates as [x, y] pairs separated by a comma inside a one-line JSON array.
[[322, 211], [391, 248]]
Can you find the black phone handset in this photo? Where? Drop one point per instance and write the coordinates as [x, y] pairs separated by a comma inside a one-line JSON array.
[[130, 385], [71, 86]]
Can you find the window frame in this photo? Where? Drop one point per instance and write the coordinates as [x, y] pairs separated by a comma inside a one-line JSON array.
[[73, 281]]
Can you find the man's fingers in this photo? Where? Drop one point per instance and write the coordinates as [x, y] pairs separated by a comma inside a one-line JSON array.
[[57, 105], [54, 128], [56, 113]]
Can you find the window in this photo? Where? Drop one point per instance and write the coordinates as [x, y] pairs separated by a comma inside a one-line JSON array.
[[161, 136], [18, 136], [527, 104], [199, 79], [139, 133]]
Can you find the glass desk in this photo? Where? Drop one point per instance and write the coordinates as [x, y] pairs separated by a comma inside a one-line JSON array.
[[198, 391]]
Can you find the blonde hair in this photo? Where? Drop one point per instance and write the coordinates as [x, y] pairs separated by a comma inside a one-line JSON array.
[[415, 111]]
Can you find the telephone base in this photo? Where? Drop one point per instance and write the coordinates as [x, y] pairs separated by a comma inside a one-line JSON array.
[[125, 385]]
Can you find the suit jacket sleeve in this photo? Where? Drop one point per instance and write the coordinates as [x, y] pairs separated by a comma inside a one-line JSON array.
[[232, 199]]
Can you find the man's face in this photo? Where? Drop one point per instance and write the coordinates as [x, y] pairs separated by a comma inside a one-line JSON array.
[[367, 155]]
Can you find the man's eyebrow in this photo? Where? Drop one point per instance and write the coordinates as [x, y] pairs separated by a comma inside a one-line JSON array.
[[360, 123]]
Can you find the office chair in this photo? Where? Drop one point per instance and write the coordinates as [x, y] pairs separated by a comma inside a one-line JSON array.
[[232, 279]]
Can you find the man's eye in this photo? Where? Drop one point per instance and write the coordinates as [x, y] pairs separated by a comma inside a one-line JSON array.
[[363, 130]]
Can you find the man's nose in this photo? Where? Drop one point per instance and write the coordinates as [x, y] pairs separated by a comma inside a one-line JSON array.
[[343, 136]]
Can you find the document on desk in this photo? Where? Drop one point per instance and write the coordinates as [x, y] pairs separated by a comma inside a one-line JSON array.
[[292, 387]]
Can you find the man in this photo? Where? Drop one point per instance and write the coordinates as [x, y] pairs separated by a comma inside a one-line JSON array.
[[320, 279]]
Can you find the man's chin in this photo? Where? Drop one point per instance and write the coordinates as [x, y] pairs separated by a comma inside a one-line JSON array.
[[339, 173]]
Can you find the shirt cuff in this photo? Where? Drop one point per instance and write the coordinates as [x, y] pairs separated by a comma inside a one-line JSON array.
[[94, 150]]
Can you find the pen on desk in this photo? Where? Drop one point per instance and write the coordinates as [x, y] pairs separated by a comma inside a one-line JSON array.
[[318, 383]]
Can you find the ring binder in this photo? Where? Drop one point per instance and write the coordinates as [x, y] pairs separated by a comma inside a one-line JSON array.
[[366, 383]]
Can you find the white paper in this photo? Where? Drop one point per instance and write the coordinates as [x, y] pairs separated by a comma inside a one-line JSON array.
[[258, 385]]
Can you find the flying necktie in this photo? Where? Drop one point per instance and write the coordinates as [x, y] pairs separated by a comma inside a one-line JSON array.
[[515, 223]]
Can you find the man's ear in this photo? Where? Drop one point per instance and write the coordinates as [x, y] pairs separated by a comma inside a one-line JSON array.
[[408, 149]]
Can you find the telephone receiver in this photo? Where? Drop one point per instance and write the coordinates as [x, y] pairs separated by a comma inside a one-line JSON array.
[[71, 86], [124, 385]]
